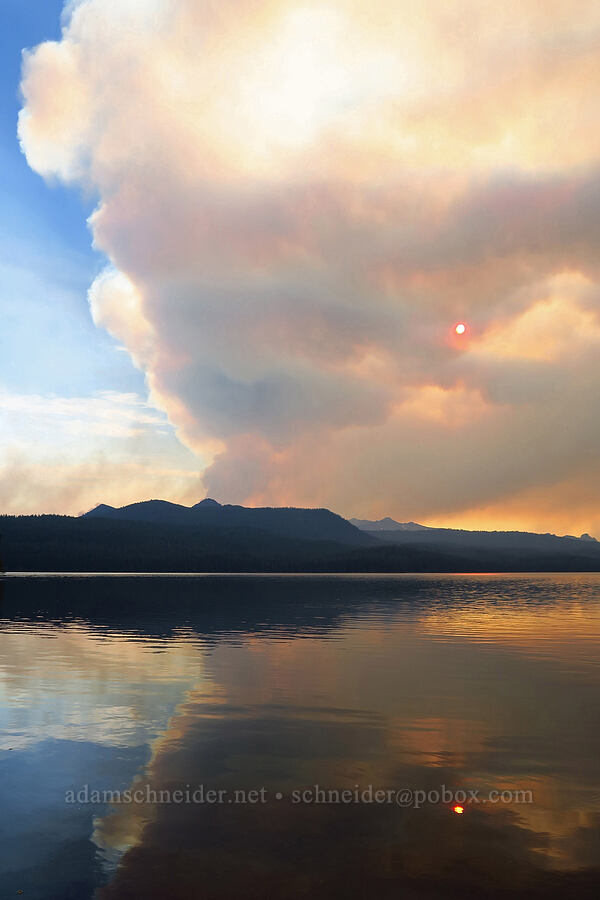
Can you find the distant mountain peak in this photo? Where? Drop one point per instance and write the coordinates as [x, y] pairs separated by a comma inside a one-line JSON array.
[[387, 524], [100, 509], [208, 501]]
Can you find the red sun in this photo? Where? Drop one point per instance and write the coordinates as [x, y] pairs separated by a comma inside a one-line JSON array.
[[460, 328]]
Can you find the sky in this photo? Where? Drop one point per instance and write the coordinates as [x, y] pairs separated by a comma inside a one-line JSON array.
[[237, 239]]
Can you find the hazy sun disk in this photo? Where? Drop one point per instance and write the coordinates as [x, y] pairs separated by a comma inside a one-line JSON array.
[[460, 328]]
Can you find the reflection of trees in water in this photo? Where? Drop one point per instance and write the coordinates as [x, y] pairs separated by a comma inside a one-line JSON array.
[[237, 738], [158, 606], [282, 849]]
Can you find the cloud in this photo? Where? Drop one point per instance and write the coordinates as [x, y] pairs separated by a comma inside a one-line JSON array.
[[298, 202], [30, 487], [67, 454]]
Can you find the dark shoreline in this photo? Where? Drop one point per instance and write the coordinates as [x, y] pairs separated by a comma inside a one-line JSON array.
[[97, 544]]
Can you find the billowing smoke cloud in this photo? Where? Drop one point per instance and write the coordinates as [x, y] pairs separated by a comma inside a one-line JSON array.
[[299, 201]]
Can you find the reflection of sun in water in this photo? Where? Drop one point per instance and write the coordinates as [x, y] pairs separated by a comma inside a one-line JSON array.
[[460, 328]]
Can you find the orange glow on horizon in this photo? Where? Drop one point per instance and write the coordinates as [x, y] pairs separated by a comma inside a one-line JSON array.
[[459, 810]]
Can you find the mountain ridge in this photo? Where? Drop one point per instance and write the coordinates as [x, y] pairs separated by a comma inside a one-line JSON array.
[[316, 523], [159, 536], [286, 521], [387, 524]]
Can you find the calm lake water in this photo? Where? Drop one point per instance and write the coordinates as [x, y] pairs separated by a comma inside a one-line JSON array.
[[304, 697]]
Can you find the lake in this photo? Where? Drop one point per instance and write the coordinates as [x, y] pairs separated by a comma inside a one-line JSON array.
[[300, 737]]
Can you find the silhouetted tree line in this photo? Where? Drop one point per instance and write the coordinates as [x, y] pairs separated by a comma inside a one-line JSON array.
[[66, 544]]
